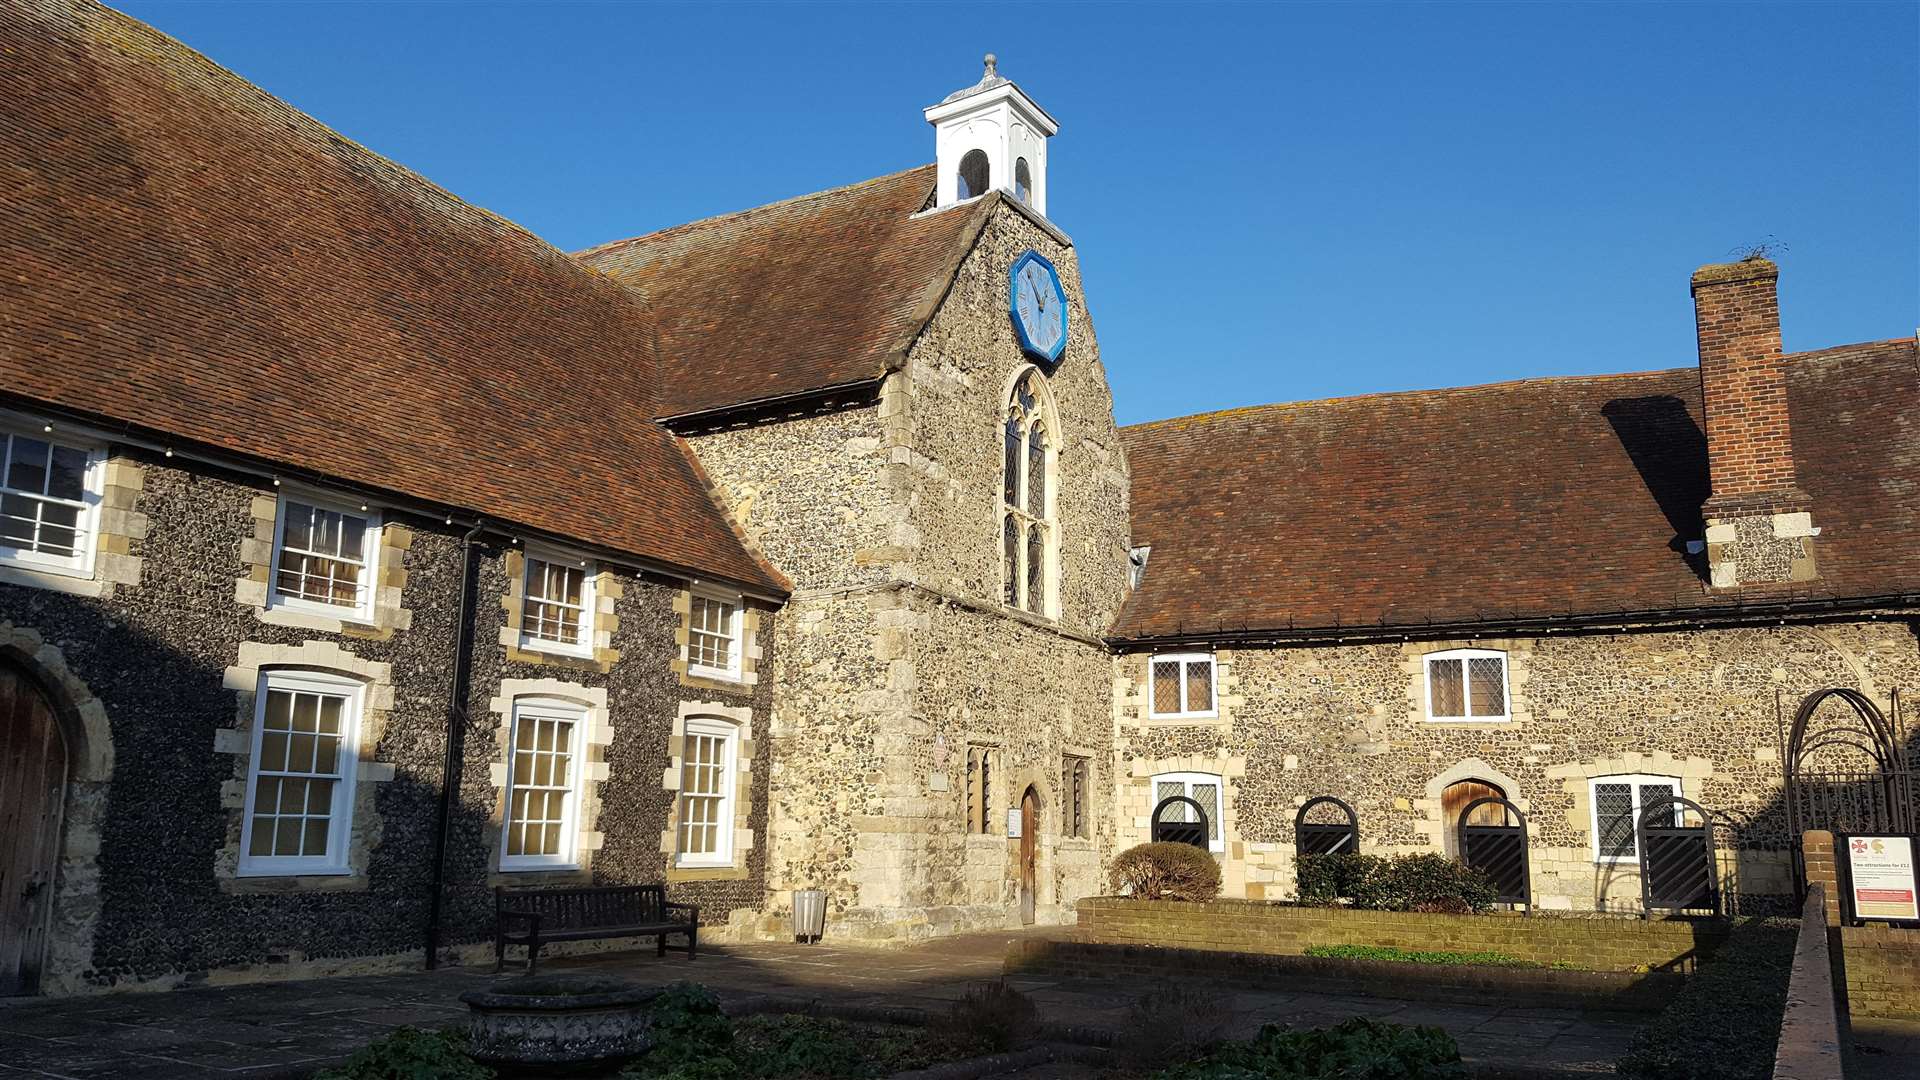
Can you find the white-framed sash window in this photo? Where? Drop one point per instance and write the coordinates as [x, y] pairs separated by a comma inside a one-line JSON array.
[[1467, 684], [714, 633], [298, 817], [708, 772], [49, 502], [1181, 685], [557, 605], [1618, 802], [324, 557], [1207, 789], [540, 828]]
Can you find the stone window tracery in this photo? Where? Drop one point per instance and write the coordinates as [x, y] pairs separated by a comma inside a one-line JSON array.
[[983, 762], [1075, 821], [1027, 526]]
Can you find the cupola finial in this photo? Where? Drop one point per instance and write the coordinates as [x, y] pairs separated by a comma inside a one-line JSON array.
[[993, 67]]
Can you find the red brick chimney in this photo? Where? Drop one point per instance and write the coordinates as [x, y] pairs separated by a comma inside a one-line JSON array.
[[1759, 528]]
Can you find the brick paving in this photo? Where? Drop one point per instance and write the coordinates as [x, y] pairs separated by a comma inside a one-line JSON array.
[[289, 1029]]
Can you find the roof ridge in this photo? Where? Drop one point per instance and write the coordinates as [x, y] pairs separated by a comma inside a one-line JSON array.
[[714, 218], [1378, 394]]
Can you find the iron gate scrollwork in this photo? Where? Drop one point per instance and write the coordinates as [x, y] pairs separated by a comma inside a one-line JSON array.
[[1677, 871], [1182, 830], [1498, 851], [1326, 837], [1848, 774]]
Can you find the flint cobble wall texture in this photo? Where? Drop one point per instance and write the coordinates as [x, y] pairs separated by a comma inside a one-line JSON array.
[[155, 653], [1348, 721], [1611, 944]]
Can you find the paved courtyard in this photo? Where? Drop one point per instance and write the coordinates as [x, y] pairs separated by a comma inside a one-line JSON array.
[[289, 1029]]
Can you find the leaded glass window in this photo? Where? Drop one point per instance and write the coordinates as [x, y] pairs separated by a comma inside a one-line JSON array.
[[1027, 525], [324, 557], [1467, 684], [300, 775], [1202, 788], [1618, 803], [1182, 685]]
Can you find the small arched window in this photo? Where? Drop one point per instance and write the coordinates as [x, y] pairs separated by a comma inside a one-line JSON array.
[[1027, 525], [1022, 181], [974, 176]]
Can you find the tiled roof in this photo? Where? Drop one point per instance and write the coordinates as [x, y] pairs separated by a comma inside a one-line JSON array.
[[821, 291], [1519, 501], [187, 255]]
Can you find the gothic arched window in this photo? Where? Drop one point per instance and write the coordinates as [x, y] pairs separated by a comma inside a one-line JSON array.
[[1027, 525], [973, 175]]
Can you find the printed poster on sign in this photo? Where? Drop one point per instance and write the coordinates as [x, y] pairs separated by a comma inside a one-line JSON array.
[[1880, 877]]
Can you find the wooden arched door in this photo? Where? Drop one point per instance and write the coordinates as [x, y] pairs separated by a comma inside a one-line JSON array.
[[33, 783], [1029, 843], [1455, 799]]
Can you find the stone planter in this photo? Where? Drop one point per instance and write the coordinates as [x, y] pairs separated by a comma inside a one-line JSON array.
[[561, 1025]]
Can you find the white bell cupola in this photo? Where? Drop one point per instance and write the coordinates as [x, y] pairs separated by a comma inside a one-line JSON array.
[[991, 135]]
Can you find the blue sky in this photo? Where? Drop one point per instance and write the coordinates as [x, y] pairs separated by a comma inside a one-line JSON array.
[[1271, 203]]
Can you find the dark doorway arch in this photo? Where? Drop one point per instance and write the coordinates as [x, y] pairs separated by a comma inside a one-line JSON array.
[[1455, 798], [1326, 826], [33, 787], [1187, 827]]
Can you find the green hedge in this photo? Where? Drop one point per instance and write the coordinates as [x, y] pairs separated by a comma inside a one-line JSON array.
[[1423, 882], [1360, 1049], [1725, 1023]]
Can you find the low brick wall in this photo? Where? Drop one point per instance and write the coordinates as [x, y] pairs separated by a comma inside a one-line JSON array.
[[1646, 991], [1811, 1043], [1883, 970], [1249, 926]]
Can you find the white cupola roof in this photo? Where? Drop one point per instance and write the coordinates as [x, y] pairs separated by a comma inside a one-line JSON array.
[[991, 135]]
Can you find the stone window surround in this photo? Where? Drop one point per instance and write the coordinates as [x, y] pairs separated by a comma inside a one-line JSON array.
[[741, 718], [257, 553], [1133, 691], [750, 650], [1089, 761], [83, 721], [116, 526], [1139, 784], [365, 826], [1049, 416], [306, 681], [590, 772], [1186, 660], [1519, 668], [604, 590], [1576, 780]]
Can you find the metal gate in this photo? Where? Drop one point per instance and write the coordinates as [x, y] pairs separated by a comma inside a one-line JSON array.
[[1326, 837], [1677, 871], [1498, 851], [1187, 827], [1847, 774]]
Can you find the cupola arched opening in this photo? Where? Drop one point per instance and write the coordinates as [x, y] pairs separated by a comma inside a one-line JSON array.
[[1022, 181], [974, 174]]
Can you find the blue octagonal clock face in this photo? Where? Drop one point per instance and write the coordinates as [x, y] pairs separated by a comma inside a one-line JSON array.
[[1039, 306]]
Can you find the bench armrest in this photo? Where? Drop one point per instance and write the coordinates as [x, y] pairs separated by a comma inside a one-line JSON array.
[[531, 918]]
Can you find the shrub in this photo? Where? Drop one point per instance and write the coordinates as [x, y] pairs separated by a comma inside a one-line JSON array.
[[1425, 882], [1360, 1049], [992, 1015], [1173, 1022], [692, 1039], [1166, 871], [1726, 1020], [806, 1046], [411, 1054]]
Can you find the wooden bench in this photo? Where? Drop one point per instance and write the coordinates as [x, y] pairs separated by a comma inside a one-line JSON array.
[[532, 916]]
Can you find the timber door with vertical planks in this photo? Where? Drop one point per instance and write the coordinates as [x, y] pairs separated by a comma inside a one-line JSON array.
[[33, 781]]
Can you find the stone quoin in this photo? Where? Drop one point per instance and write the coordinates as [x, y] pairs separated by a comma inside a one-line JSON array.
[[361, 552]]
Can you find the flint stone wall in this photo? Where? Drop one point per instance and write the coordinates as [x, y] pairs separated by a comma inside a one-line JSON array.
[[153, 653], [1348, 721]]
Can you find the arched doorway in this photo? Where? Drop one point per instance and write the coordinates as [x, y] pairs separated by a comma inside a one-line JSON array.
[[1457, 796], [1029, 846], [33, 781]]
